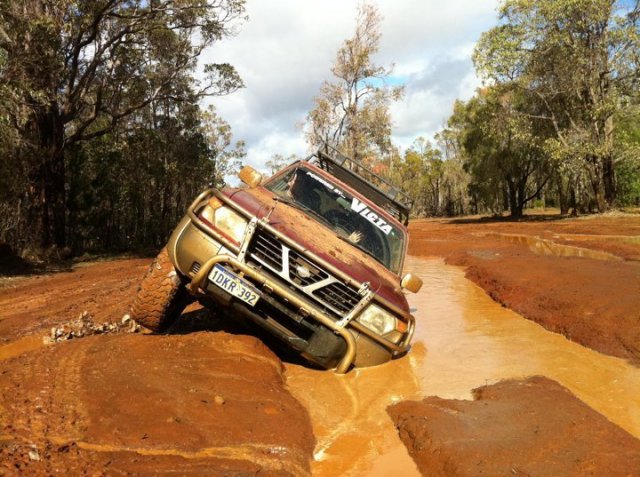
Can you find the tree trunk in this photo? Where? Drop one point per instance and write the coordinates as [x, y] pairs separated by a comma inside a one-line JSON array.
[[596, 173], [52, 140], [573, 200], [47, 181], [57, 198], [601, 202], [37, 215], [562, 196], [608, 166], [609, 180], [515, 202]]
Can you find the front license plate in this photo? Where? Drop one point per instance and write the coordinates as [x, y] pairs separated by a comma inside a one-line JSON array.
[[234, 285]]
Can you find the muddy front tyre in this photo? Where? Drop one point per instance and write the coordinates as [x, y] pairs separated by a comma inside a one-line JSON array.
[[162, 295]]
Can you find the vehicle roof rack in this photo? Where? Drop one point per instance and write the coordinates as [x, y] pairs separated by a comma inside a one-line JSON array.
[[364, 180]]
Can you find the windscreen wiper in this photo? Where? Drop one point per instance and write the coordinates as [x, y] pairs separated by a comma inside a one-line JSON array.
[[284, 200]]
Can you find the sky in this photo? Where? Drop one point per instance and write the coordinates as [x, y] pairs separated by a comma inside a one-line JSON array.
[[286, 48]]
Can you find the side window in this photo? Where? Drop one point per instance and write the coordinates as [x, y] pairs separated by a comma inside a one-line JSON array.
[[281, 184]]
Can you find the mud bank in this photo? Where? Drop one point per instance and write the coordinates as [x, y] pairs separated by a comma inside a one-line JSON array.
[[515, 427], [578, 277], [188, 404], [197, 404]]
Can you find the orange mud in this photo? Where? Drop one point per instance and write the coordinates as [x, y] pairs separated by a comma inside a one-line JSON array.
[[128, 404], [463, 340], [212, 403]]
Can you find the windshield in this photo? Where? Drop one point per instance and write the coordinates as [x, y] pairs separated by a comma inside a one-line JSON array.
[[349, 217]]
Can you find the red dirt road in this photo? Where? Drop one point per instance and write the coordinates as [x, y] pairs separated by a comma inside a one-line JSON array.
[[33, 305], [578, 277], [213, 403]]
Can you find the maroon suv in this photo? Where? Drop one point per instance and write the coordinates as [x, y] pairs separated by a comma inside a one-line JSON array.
[[314, 255]]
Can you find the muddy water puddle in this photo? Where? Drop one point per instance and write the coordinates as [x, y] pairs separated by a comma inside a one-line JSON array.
[[632, 239], [463, 340], [549, 248]]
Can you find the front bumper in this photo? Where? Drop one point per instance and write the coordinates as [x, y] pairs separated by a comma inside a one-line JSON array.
[[195, 248]]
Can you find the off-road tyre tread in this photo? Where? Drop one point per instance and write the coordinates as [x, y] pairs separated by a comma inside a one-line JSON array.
[[161, 296]]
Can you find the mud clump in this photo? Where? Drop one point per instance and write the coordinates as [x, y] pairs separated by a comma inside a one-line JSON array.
[[515, 427]]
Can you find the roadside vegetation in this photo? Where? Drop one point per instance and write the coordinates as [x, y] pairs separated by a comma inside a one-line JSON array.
[[104, 139], [556, 123]]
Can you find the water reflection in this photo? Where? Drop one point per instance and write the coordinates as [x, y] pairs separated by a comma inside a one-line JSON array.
[[545, 247], [463, 340]]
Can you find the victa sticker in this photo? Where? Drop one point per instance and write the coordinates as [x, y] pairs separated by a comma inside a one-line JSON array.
[[362, 209]]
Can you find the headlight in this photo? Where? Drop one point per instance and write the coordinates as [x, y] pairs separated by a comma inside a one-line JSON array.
[[378, 320], [225, 220]]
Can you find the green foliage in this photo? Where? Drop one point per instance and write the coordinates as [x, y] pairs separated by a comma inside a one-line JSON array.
[[628, 171], [503, 148], [578, 59], [128, 189], [94, 94]]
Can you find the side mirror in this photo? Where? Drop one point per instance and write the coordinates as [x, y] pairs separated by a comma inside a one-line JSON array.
[[411, 283], [250, 176]]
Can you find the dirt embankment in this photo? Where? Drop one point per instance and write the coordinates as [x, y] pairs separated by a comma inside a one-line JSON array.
[[530, 427], [201, 403], [578, 277]]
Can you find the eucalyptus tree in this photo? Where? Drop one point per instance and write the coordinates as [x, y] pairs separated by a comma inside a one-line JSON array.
[[579, 59], [78, 69], [278, 161], [351, 112], [628, 173], [455, 179], [504, 148], [128, 188]]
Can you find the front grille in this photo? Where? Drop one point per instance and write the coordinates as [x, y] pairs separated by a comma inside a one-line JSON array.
[[332, 293], [298, 268], [267, 249], [339, 296]]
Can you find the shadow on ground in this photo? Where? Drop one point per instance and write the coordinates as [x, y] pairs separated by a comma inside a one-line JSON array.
[[204, 319]]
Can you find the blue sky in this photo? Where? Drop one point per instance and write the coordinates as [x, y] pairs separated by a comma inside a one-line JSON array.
[[286, 48]]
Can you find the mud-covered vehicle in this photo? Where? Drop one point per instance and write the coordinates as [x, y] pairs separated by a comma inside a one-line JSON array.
[[314, 255]]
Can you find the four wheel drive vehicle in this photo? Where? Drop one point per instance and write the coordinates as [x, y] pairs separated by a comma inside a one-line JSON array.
[[314, 255]]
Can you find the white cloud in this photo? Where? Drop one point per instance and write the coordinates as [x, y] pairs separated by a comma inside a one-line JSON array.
[[287, 47], [275, 141]]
